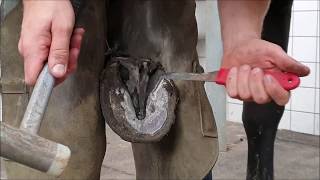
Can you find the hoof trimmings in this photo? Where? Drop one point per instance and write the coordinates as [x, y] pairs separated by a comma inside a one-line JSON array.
[[159, 101]]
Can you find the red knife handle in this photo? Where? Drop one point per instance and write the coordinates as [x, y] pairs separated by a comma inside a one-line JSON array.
[[221, 77], [287, 80]]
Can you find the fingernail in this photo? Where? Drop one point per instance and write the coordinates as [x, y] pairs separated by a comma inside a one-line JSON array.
[[59, 70], [256, 70], [267, 79], [233, 70]]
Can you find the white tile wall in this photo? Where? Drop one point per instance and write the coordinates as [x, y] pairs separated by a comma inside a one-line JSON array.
[[317, 108], [285, 122], [302, 111], [318, 74], [234, 101], [290, 43], [305, 23], [318, 43], [234, 112], [304, 48], [309, 81], [302, 122], [300, 5], [317, 124], [288, 105], [303, 99]]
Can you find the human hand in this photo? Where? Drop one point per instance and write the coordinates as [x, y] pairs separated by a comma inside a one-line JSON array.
[[47, 34], [246, 80]]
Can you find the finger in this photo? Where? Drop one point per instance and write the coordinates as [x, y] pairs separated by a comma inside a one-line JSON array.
[[257, 88], [231, 83], [275, 90], [34, 50], [243, 82], [60, 80], [73, 62], [32, 68], [76, 41], [76, 38], [287, 63], [59, 51]]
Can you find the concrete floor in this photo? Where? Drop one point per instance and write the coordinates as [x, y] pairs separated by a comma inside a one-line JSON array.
[[296, 157], [118, 162]]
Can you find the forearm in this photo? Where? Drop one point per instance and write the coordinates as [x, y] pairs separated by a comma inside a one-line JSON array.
[[241, 20]]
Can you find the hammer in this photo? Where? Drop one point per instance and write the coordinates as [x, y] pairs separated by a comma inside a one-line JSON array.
[[23, 145]]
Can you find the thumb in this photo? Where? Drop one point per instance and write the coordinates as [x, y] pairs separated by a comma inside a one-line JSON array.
[[59, 51], [288, 64]]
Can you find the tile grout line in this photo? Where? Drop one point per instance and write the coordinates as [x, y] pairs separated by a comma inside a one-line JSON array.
[[315, 79], [292, 33]]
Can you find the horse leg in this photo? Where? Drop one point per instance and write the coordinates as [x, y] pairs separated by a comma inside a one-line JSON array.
[[261, 121]]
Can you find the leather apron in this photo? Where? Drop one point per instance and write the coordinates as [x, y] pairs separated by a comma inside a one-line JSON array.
[[166, 31], [73, 116]]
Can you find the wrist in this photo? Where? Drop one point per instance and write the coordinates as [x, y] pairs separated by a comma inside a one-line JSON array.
[[28, 2], [241, 21], [237, 40]]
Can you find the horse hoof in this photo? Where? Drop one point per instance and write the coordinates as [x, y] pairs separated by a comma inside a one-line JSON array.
[[137, 102]]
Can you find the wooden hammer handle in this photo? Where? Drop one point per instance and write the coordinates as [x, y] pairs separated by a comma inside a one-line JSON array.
[[38, 102]]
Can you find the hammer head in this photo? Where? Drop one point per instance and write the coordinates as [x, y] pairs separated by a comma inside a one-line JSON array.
[[33, 151]]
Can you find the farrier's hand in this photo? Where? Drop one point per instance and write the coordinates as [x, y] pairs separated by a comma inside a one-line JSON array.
[[246, 80], [47, 33]]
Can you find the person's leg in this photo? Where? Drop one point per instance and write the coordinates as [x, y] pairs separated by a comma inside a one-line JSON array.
[[166, 32], [261, 121], [73, 116]]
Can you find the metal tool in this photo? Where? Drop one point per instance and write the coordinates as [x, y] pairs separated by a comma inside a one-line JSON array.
[[287, 80], [24, 145]]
